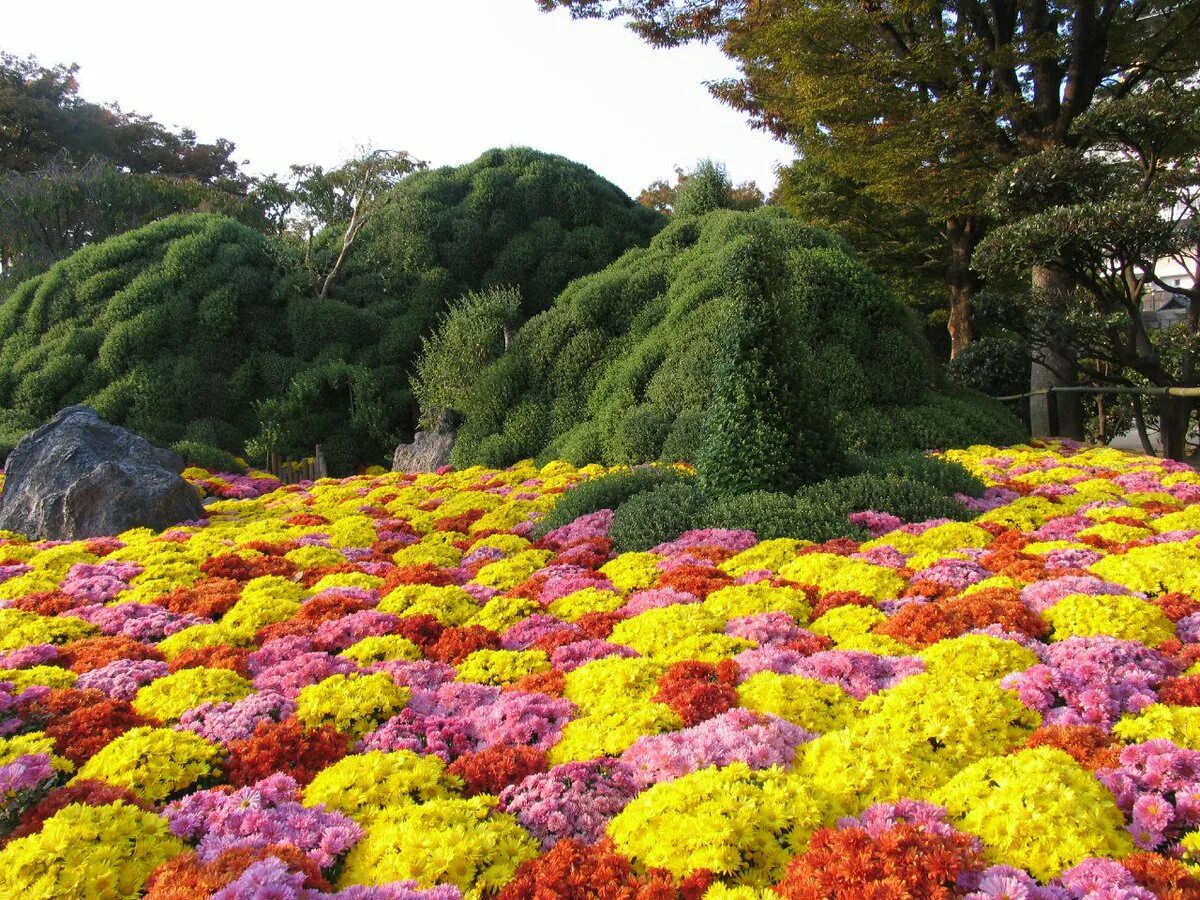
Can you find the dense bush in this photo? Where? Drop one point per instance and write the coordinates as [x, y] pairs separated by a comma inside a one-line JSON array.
[[606, 492], [623, 368], [156, 328], [773, 515], [907, 498], [998, 366], [652, 517], [946, 476]]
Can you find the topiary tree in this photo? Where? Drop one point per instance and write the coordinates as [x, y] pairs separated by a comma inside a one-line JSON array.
[[161, 329]]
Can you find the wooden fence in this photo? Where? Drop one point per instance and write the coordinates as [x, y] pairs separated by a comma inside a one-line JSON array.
[[293, 471]]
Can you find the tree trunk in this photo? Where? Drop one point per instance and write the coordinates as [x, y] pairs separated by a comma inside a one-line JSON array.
[[1054, 366], [962, 234], [1174, 416]]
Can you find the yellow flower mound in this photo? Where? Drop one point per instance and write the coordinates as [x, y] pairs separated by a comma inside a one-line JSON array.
[[773, 555], [749, 599], [508, 573], [20, 629], [572, 606], [209, 634], [1038, 810], [50, 676], [312, 557], [844, 622], [501, 667], [352, 531], [810, 703], [1178, 724], [353, 704], [365, 784], [740, 824], [612, 732], [710, 648], [1024, 513], [910, 740], [501, 613], [98, 852], [1156, 569], [378, 648], [1186, 519], [32, 742], [949, 537], [657, 629], [977, 656], [831, 572], [169, 697], [153, 762], [1127, 618], [612, 683], [449, 604], [632, 571], [432, 552], [461, 842]]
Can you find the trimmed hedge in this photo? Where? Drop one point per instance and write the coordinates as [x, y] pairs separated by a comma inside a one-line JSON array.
[[606, 492]]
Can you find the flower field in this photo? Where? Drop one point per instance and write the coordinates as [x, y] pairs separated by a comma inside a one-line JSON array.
[[384, 687]]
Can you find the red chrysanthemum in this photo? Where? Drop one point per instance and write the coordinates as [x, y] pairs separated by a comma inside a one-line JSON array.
[[922, 624], [552, 682], [85, 731], [834, 599], [456, 644], [218, 656], [598, 625], [697, 691], [185, 877], [211, 598], [285, 747], [493, 769], [422, 629], [905, 861], [1167, 878], [1090, 746], [46, 603], [1176, 606], [92, 653], [1181, 691]]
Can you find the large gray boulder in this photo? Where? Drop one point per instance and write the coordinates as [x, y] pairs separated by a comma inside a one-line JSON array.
[[429, 451], [79, 477]]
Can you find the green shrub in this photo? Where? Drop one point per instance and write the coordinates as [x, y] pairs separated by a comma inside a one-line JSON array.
[[948, 477], [207, 456], [660, 514], [998, 366], [911, 500], [606, 492], [773, 515]]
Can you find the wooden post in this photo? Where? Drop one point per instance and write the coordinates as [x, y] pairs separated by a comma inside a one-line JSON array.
[[320, 470]]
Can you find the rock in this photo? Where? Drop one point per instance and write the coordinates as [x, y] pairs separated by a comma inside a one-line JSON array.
[[79, 476], [429, 451]]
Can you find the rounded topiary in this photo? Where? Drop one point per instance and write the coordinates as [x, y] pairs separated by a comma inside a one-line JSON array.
[[606, 492], [655, 516]]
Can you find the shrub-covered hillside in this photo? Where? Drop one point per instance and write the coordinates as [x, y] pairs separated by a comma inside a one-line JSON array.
[[169, 329], [516, 217], [742, 323]]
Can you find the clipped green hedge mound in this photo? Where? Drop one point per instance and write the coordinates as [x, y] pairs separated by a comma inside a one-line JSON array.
[[168, 330], [747, 325]]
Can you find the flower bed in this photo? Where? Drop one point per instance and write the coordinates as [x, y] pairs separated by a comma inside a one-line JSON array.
[[382, 687]]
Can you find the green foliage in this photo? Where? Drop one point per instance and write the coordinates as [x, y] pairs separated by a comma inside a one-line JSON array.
[[995, 365], [948, 477], [606, 492], [471, 334], [660, 514], [773, 515], [742, 339], [150, 327], [907, 498], [207, 456]]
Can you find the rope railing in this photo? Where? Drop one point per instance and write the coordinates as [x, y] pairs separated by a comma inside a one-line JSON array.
[[1112, 389]]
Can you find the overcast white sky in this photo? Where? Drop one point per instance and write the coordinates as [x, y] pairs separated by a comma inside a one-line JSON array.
[[444, 79]]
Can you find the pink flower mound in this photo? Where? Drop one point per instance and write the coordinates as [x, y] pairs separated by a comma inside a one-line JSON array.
[[31, 655], [145, 622], [99, 583], [857, 672], [224, 722], [993, 498], [882, 556], [655, 598], [877, 820], [338, 634], [1071, 558], [291, 676], [13, 570], [740, 735], [1041, 595], [446, 737], [13, 703], [265, 813], [1158, 786], [878, 523], [765, 628], [571, 656], [515, 718], [455, 698], [955, 573], [24, 774], [121, 679], [277, 651], [421, 673], [722, 538], [593, 525], [574, 800], [1091, 681], [1101, 879]]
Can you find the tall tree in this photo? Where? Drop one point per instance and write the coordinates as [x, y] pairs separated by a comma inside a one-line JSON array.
[[664, 196], [925, 101]]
